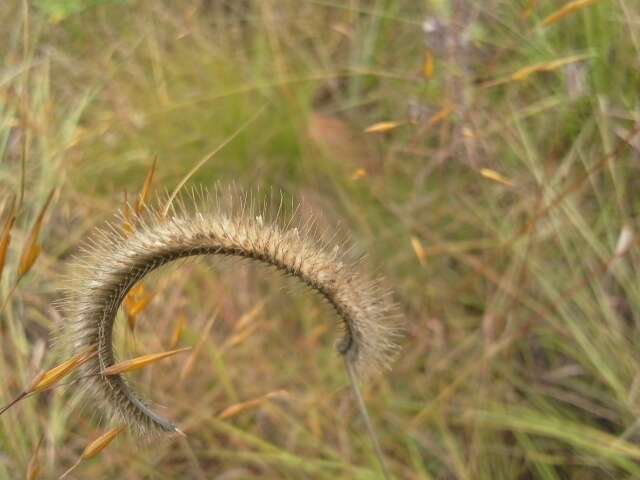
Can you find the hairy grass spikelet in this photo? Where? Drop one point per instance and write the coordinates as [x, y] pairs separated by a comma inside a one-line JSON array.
[[203, 224]]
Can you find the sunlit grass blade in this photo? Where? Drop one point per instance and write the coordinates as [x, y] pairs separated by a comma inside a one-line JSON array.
[[566, 10], [238, 408], [419, 250], [140, 362], [495, 176], [31, 248], [135, 303], [176, 335], [382, 127], [428, 66], [49, 378], [5, 239], [33, 467], [440, 116], [146, 188], [45, 379], [94, 448]]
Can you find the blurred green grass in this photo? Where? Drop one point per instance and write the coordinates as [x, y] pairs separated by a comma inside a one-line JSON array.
[[522, 318]]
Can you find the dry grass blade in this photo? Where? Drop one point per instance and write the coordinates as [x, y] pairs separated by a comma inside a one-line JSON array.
[[94, 448], [428, 65], [191, 361], [495, 176], [42, 381], [31, 249], [440, 116], [358, 174], [525, 72], [238, 408], [382, 127], [566, 10], [5, 239], [127, 217], [135, 303], [146, 188], [33, 467], [181, 323], [419, 250], [140, 362]]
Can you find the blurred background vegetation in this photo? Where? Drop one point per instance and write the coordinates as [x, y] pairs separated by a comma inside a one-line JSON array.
[[480, 153]]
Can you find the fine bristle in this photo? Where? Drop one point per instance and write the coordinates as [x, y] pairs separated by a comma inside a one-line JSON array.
[[227, 224]]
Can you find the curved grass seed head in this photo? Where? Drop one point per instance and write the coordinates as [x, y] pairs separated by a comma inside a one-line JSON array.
[[218, 225]]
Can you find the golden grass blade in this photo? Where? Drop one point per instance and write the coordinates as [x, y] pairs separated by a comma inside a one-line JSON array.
[[140, 362], [181, 323], [566, 10], [146, 188], [137, 307], [5, 239], [525, 72], [31, 249], [33, 467], [100, 443], [135, 303], [42, 381], [94, 448], [440, 116], [382, 127], [238, 408], [127, 220], [428, 65], [419, 250], [358, 174], [495, 176]]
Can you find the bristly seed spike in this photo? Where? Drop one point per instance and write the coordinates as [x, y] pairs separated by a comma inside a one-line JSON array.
[[227, 223]]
